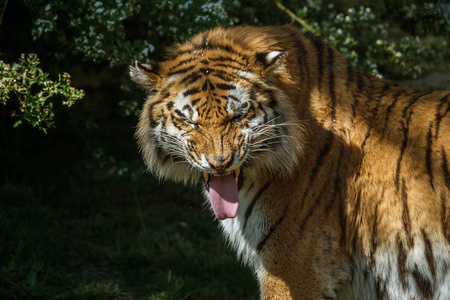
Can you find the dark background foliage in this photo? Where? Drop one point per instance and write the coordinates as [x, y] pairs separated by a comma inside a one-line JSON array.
[[79, 217]]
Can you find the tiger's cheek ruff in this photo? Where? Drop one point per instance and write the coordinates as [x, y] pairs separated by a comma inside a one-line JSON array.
[[275, 137], [163, 143]]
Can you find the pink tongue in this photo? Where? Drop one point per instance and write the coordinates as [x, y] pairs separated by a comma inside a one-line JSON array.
[[223, 194]]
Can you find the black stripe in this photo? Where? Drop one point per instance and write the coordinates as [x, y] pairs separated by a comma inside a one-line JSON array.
[[272, 99], [189, 109], [361, 82], [225, 76], [381, 288], [319, 48], [227, 59], [359, 91], [318, 45], [317, 201], [178, 124], [350, 75], [331, 83], [311, 210], [384, 91], [181, 71], [389, 108], [374, 113], [445, 169], [205, 86], [319, 161], [301, 56], [249, 210], [438, 116], [350, 79], [412, 102], [150, 110], [181, 52], [191, 78], [232, 50], [162, 156], [180, 113], [342, 222], [182, 62], [153, 69], [374, 109], [374, 240], [226, 87], [194, 102], [164, 94], [428, 155], [361, 158], [405, 215], [337, 183], [262, 58], [402, 150], [229, 67], [423, 285], [272, 228], [445, 218], [191, 92], [429, 255], [401, 262], [357, 204], [234, 98]]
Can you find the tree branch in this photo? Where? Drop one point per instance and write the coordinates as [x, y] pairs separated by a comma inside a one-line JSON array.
[[3, 11], [293, 16]]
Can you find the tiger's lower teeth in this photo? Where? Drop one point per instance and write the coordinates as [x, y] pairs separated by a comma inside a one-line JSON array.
[[207, 176]]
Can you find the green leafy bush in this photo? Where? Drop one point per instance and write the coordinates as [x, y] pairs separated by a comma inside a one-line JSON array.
[[371, 42], [33, 90]]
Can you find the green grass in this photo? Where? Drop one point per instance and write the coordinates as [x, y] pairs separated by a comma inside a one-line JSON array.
[[70, 228]]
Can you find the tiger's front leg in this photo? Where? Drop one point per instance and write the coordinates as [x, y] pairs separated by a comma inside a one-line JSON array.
[[307, 266], [273, 287]]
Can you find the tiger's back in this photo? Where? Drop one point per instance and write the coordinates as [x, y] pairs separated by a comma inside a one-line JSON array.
[[342, 179]]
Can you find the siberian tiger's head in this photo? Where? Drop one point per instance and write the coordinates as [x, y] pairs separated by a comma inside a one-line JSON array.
[[215, 113]]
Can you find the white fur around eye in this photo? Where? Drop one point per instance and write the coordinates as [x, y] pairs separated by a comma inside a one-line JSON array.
[[237, 100], [272, 55], [182, 102]]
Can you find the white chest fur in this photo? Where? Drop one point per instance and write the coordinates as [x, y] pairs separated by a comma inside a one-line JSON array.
[[244, 234]]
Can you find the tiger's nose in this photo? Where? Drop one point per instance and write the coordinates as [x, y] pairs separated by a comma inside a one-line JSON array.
[[220, 163]]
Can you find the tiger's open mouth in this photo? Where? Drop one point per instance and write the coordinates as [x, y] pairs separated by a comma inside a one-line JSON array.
[[223, 193]]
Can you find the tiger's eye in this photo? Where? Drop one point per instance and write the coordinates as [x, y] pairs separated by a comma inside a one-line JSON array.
[[237, 117]]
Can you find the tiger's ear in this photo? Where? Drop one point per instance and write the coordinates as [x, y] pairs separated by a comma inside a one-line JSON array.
[[271, 61], [146, 76]]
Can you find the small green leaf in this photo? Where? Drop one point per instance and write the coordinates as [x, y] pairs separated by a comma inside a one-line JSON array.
[[17, 123]]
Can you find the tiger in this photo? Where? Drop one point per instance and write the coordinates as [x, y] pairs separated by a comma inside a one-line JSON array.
[[328, 182]]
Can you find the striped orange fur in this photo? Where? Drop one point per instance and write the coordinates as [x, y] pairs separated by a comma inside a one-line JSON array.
[[342, 179]]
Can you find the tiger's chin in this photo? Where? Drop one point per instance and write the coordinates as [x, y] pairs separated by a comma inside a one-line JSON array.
[[223, 193]]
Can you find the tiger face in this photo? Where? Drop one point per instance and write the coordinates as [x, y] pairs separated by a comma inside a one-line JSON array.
[[210, 116]]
